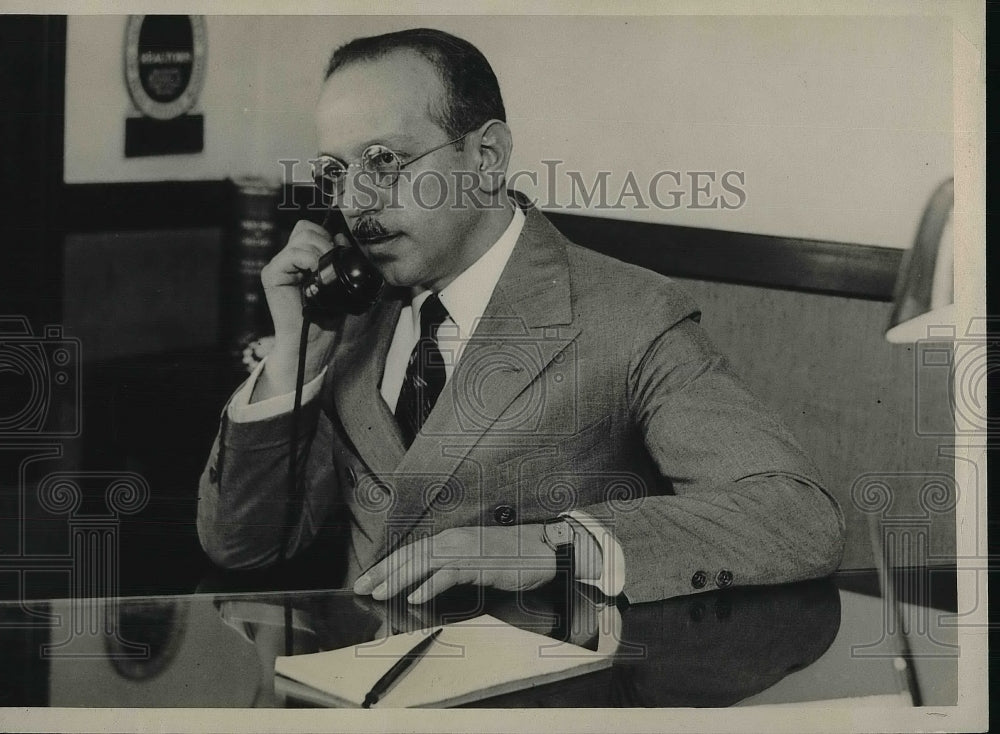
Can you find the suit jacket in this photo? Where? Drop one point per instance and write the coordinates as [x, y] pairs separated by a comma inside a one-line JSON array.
[[587, 384]]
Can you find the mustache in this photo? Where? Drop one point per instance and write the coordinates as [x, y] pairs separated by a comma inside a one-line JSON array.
[[369, 229]]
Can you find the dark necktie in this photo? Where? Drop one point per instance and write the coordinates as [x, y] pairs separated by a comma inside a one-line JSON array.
[[425, 375]]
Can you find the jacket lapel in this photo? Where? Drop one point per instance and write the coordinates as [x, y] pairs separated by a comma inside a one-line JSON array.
[[527, 323], [357, 374]]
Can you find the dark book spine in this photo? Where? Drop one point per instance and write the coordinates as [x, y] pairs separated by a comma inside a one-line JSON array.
[[254, 242]]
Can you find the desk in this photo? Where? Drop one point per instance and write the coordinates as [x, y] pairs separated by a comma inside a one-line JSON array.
[[792, 644]]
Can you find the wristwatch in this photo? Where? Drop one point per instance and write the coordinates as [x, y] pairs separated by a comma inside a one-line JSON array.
[[560, 536]]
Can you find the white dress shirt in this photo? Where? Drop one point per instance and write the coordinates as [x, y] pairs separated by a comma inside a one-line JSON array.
[[465, 298]]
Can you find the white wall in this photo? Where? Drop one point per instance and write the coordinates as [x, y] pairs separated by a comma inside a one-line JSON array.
[[97, 104], [842, 126]]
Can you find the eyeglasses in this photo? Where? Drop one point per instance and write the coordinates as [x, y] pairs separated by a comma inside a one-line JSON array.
[[380, 163]]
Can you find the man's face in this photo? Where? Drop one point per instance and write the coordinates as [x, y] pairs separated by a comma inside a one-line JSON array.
[[388, 101]]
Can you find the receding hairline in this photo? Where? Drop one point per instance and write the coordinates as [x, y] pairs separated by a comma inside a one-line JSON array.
[[437, 103]]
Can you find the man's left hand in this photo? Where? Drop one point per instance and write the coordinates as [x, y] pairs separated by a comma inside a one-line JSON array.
[[508, 558]]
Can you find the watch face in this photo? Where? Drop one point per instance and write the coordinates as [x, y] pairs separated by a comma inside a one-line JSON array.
[[558, 533], [165, 63]]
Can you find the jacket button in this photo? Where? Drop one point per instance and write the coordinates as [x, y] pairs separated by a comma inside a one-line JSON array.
[[213, 474], [352, 476], [699, 580], [724, 579], [504, 515]]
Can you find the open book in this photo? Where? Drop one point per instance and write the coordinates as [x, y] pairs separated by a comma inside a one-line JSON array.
[[469, 661]]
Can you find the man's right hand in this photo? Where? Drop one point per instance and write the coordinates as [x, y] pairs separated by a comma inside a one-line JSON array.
[[282, 280]]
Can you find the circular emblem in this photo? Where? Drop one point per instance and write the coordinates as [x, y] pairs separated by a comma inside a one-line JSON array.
[[164, 63]]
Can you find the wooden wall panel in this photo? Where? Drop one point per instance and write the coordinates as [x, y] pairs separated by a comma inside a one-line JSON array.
[[142, 292]]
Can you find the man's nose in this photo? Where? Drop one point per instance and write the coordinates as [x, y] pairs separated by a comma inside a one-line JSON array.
[[361, 196]]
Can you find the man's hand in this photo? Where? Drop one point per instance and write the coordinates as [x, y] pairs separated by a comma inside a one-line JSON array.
[[508, 558], [282, 281]]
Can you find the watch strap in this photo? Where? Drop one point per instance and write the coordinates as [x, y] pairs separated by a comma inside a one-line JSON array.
[[560, 535]]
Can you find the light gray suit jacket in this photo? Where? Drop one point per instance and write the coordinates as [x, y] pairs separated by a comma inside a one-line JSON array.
[[588, 384]]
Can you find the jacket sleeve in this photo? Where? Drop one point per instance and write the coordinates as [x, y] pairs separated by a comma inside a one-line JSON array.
[[740, 503], [243, 489]]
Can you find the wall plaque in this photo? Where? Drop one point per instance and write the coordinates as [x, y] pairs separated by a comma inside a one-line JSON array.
[[165, 59]]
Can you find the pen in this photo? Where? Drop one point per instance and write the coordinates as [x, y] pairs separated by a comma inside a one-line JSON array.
[[398, 670]]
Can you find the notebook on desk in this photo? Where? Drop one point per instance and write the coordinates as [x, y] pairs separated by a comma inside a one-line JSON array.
[[469, 661]]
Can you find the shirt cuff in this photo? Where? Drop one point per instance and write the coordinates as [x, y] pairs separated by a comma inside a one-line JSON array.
[[612, 580], [241, 410]]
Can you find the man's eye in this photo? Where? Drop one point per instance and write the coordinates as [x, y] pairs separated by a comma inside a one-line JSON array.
[[331, 168]]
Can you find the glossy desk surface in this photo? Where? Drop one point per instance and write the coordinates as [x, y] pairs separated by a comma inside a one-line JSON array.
[[824, 640]]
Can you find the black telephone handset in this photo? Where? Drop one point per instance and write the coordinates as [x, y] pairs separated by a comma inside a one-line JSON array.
[[344, 281]]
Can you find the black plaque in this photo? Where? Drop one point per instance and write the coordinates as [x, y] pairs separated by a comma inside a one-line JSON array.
[[146, 136], [164, 72]]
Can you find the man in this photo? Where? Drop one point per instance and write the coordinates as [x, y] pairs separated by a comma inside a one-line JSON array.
[[512, 399]]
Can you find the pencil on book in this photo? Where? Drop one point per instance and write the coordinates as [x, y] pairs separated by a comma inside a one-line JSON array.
[[398, 670]]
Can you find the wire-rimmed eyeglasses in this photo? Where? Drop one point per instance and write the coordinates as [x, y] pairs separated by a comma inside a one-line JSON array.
[[379, 162]]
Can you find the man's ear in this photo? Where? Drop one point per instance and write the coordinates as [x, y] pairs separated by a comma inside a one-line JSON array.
[[494, 150]]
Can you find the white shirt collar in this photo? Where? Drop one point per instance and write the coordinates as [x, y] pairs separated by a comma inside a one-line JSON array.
[[467, 296]]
